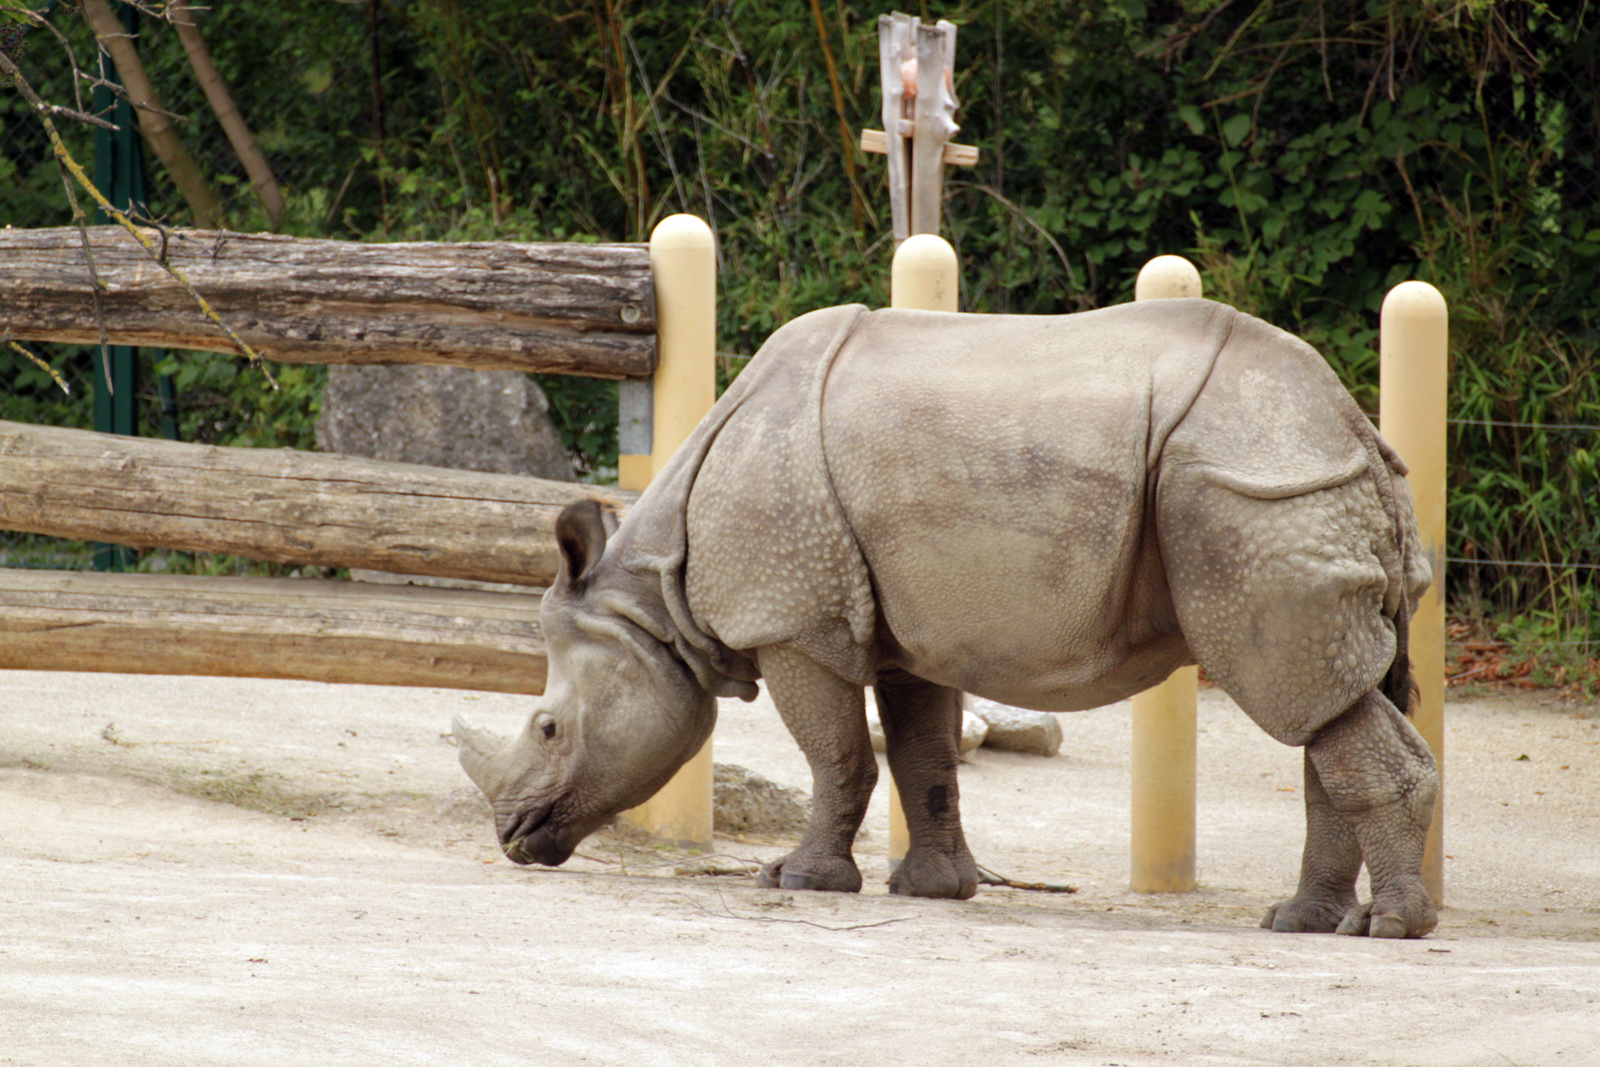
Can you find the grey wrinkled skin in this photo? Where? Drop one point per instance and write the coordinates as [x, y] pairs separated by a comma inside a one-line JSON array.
[[1053, 513]]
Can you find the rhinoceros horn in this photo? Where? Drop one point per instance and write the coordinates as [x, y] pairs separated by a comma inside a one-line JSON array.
[[478, 747]]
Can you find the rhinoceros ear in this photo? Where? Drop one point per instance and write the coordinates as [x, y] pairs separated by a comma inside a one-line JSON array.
[[581, 531]]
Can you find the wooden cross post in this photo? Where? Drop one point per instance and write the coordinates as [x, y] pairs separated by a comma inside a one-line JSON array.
[[917, 67]]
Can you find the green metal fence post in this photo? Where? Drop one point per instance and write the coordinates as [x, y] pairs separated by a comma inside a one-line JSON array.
[[119, 172]]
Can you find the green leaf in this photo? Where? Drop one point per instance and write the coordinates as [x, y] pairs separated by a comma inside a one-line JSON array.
[[1236, 129]]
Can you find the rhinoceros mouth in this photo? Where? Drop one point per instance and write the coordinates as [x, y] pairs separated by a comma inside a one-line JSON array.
[[540, 847], [535, 836]]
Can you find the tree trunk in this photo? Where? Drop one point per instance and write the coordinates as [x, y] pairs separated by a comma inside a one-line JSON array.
[[561, 308], [153, 123], [233, 124], [314, 630], [282, 505]]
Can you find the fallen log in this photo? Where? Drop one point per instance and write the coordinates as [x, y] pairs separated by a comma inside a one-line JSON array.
[[298, 628], [565, 308], [282, 505]]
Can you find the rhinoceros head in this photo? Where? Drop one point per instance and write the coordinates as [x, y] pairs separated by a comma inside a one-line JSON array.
[[619, 715]]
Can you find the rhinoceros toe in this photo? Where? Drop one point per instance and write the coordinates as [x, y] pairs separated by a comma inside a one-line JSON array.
[[834, 874], [925, 873], [1308, 915]]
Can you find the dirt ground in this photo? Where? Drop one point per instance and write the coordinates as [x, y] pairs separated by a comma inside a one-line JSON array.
[[207, 871]]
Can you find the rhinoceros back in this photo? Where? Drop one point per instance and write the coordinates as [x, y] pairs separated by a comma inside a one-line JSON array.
[[995, 471]]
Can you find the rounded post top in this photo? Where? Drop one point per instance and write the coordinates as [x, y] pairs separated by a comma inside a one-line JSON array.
[[1167, 277], [925, 275], [1415, 300], [924, 251], [682, 231]]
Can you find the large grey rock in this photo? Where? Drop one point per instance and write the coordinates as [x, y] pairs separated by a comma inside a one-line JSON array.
[[744, 802], [492, 421], [1017, 729]]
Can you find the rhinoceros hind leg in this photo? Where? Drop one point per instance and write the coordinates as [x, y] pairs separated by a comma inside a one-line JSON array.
[[921, 729], [1328, 868], [1380, 777], [827, 717]]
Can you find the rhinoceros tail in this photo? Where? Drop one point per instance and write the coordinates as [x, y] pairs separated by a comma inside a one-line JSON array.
[[1400, 683], [1412, 575]]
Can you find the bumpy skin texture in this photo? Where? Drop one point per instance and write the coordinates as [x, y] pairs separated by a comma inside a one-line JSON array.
[[1053, 513]]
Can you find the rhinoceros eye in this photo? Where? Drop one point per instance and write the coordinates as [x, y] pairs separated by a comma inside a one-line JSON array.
[[548, 729]]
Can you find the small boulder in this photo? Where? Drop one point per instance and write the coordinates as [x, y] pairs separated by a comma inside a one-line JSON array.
[[744, 802], [1017, 729]]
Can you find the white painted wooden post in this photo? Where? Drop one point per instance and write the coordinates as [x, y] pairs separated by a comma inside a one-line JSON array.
[[1413, 380], [1162, 842], [658, 416], [916, 68]]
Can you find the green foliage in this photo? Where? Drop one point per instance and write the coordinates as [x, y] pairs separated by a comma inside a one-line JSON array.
[[1308, 154], [222, 401]]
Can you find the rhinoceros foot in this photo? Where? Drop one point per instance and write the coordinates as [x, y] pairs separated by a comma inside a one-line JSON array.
[[1309, 915], [1410, 915], [837, 874], [926, 873], [1413, 917]]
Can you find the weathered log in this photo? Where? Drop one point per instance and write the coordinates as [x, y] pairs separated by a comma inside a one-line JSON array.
[[568, 308], [278, 504], [309, 629]]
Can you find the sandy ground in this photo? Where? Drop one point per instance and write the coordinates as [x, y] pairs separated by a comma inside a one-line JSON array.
[[205, 871]]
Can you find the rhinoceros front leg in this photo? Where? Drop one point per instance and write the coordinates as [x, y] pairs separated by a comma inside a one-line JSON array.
[[921, 731], [1380, 778], [827, 717]]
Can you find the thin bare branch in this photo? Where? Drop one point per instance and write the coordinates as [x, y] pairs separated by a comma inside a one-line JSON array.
[[58, 111], [42, 365], [121, 93]]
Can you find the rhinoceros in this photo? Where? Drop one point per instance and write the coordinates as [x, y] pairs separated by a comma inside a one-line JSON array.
[[1051, 512]]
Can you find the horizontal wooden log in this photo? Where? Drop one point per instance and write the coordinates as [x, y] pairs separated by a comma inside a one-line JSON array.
[[309, 629], [282, 505], [565, 308]]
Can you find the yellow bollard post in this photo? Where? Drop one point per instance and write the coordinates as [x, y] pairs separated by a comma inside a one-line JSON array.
[[683, 261], [1162, 843], [1413, 370], [1167, 278], [924, 276]]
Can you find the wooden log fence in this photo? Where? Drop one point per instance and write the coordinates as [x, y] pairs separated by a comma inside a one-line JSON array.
[[562, 308], [585, 309], [301, 628], [282, 505]]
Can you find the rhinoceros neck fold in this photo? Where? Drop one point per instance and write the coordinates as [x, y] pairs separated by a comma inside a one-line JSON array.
[[708, 560]]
